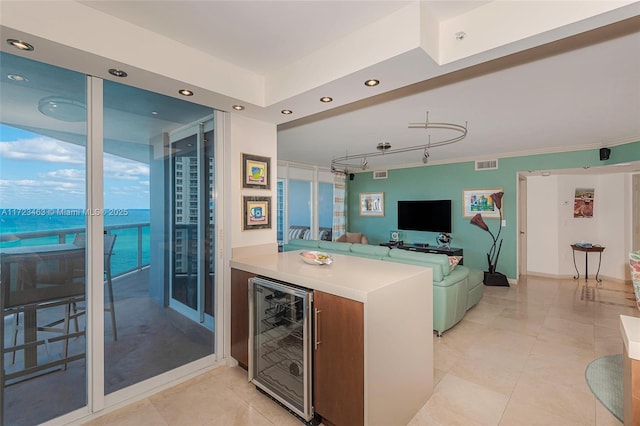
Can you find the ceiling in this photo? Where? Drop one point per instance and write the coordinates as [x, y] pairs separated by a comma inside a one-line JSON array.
[[530, 86]]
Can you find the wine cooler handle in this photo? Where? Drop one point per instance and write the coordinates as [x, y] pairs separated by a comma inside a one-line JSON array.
[[316, 342]]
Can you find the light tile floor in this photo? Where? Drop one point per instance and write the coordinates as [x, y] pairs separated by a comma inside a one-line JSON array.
[[517, 358]]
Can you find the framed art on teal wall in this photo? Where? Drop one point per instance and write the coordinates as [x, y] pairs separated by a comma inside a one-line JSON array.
[[372, 204], [476, 201]]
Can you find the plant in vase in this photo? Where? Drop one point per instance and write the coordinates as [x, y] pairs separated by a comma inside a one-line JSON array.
[[492, 277]]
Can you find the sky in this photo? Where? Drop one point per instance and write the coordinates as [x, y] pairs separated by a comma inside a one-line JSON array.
[[41, 172]]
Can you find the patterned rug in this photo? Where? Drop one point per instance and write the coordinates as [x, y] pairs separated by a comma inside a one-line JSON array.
[[604, 377]]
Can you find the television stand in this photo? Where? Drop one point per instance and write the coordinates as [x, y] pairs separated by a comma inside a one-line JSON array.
[[426, 248], [422, 245]]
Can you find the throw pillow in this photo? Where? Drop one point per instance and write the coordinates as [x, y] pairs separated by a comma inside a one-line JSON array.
[[453, 262], [354, 237]]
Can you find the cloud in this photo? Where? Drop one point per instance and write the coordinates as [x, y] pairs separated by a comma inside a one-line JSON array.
[[65, 174], [120, 168], [65, 185], [6, 183], [27, 193], [43, 149], [54, 151]]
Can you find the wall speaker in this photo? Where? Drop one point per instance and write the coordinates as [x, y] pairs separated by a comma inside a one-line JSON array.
[[351, 175], [604, 154]]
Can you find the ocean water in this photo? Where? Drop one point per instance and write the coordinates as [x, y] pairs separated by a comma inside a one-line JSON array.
[[15, 222]]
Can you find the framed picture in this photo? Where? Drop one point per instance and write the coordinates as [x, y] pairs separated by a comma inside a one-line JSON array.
[[256, 171], [256, 213], [476, 201], [372, 204], [583, 202]]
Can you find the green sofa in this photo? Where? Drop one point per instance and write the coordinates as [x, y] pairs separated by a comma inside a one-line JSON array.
[[454, 291]]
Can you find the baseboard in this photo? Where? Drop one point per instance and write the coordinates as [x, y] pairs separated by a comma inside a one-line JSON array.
[[570, 277]]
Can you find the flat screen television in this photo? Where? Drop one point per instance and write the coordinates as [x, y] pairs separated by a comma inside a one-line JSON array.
[[425, 215]]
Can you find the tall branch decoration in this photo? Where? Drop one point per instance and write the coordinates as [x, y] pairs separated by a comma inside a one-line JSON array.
[[492, 277]]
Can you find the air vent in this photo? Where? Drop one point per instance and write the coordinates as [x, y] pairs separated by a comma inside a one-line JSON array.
[[380, 174], [486, 165]]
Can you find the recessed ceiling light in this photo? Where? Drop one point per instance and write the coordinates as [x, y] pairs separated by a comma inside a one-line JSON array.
[[286, 111], [154, 113], [118, 73], [326, 99], [185, 92], [19, 44], [238, 107], [16, 77], [371, 82]]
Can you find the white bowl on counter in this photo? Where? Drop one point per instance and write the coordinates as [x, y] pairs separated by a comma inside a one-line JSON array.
[[316, 257]]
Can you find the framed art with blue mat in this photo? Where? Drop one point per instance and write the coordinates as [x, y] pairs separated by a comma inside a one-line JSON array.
[[256, 212]]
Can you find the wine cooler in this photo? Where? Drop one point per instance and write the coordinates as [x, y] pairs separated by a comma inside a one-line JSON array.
[[280, 343]]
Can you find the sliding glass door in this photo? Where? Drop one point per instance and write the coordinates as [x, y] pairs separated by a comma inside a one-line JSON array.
[[43, 146], [192, 222], [90, 280], [158, 164]]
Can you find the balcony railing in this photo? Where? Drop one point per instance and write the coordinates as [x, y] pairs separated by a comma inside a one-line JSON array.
[[131, 251]]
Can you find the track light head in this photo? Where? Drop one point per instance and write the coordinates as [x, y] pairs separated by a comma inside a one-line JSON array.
[[425, 156]]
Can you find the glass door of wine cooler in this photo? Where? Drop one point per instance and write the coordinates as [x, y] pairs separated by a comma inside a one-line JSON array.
[[280, 343]]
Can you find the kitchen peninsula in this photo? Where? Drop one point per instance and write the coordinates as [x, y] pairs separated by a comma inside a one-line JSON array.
[[374, 360]]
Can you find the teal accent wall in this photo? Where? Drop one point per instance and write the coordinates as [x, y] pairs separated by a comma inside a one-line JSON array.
[[435, 182]]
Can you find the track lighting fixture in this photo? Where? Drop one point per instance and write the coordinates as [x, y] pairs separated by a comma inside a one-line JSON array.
[[384, 148]]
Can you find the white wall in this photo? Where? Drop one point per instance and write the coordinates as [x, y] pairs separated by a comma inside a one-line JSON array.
[[615, 230], [551, 227], [258, 138], [542, 224]]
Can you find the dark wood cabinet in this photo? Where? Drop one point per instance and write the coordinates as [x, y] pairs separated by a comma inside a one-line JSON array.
[[338, 376], [240, 316], [398, 353]]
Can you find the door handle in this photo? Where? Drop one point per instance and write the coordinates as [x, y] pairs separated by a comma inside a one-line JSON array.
[[521, 232], [316, 342]]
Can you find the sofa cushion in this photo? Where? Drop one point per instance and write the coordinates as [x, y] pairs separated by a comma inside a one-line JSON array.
[[439, 262], [457, 275], [449, 305], [476, 277], [372, 252], [335, 246], [311, 244], [437, 272], [353, 237]]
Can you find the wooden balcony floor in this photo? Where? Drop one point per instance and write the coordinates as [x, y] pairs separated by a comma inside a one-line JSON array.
[[152, 339]]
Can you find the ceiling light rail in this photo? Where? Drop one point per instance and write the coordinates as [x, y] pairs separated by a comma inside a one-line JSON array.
[[359, 161]]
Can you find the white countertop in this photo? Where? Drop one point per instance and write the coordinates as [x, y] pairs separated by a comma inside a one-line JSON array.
[[630, 328], [348, 276]]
